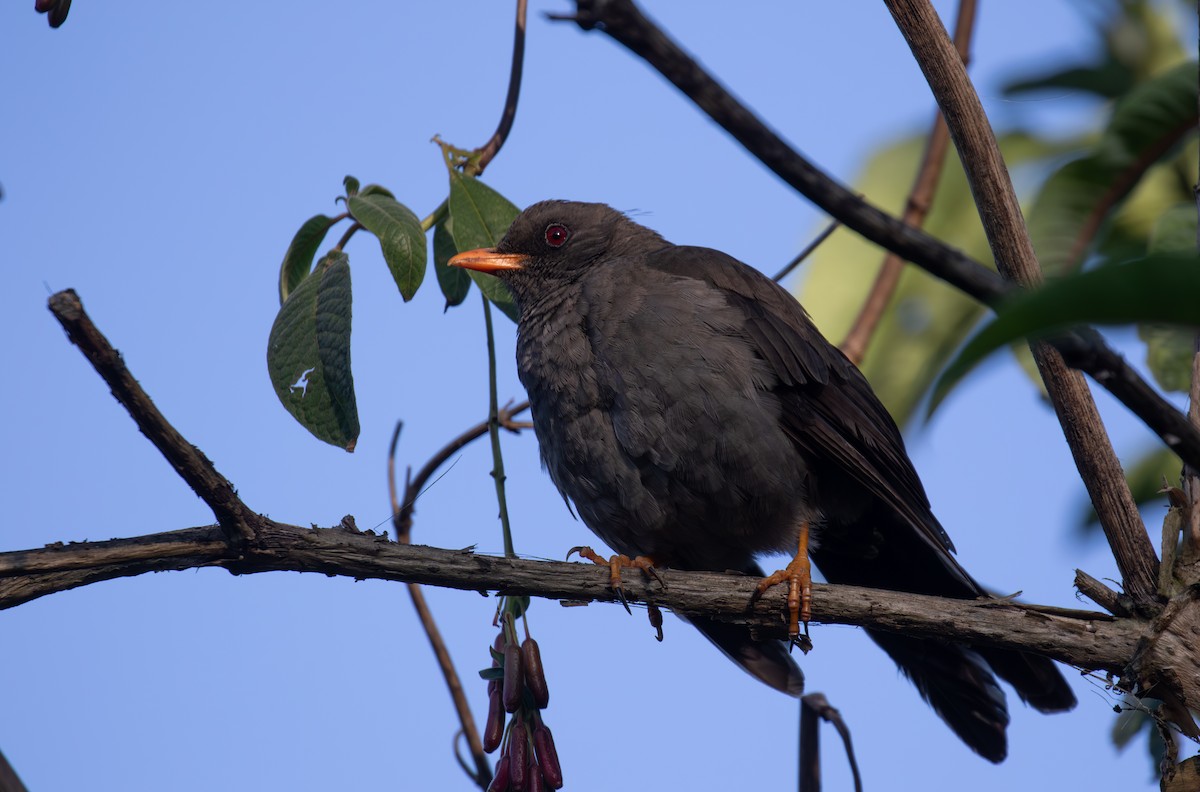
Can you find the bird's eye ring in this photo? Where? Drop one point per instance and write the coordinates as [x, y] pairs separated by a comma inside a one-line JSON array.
[[557, 235]]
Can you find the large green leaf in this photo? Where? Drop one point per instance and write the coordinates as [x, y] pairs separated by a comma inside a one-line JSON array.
[[454, 281], [1074, 203], [480, 216], [308, 354], [1159, 288], [298, 259], [926, 319], [400, 236]]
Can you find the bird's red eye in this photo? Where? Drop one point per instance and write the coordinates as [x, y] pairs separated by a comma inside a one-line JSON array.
[[557, 235]]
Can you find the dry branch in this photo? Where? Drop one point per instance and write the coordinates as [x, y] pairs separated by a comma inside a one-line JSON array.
[[1009, 239], [1081, 638]]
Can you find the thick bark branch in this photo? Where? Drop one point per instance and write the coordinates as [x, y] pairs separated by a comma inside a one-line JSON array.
[[1005, 228], [1081, 638]]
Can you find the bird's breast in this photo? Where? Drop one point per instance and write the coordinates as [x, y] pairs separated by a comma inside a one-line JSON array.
[[657, 420]]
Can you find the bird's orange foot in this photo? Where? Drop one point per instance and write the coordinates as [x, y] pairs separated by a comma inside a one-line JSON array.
[[798, 575], [615, 564]]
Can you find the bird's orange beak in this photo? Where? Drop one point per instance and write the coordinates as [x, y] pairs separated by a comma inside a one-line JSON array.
[[488, 260]]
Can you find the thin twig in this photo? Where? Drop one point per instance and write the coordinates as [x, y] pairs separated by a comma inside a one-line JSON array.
[[349, 232], [494, 432], [920, 198], [807, 251], [1099, 593], [483, 771], [1009, 239], [625, 24], [488, 151], [414, 486]]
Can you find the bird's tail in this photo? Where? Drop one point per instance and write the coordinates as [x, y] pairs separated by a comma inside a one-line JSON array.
[[959, 687], [957, 680]]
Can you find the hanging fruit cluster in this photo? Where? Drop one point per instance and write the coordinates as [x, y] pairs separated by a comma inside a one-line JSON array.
[[517, 688]]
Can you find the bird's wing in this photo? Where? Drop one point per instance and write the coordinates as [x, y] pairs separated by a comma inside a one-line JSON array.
[[832, 412]]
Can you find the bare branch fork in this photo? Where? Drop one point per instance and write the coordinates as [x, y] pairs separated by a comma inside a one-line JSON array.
[[1085, 639]]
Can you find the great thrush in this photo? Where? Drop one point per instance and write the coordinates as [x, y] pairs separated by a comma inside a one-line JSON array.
[[692, 412]]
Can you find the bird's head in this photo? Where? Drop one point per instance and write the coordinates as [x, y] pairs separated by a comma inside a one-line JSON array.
[[553, 243]]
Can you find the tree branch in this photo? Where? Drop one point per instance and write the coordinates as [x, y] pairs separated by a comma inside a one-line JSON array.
[[1082, 638], [191, 465], [488, 151], [1009, 239], [625, 24], [402, 521], [920, 198]]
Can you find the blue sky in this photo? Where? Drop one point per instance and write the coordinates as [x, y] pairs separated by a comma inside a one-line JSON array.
[[158, 159]]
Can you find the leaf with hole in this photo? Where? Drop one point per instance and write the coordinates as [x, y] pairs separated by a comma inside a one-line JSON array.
[[400, 237], [308, 354]]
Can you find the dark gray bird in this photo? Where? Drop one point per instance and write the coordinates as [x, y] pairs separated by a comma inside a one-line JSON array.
[[692, 412]]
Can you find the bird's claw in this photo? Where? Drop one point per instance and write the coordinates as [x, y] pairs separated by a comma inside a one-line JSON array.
[[615, 564], [656, 620], [798, 575]]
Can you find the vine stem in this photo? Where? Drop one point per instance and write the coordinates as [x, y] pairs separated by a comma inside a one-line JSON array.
[[494, 431]]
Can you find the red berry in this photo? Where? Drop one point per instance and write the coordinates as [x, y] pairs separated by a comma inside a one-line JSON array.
[[547, 756], [535, 673]]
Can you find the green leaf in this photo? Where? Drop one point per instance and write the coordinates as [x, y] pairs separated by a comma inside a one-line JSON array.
[[480, 217], [308, 354], [1175, 230], [1108, 79], [375, 189], [351, 185], [1159, 288], [489, 674], [454, 281], [1069, 212], [298, 259], [1169, 350], [400, 238]]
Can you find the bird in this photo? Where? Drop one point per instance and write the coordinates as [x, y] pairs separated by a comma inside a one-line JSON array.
[[696, 418]]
